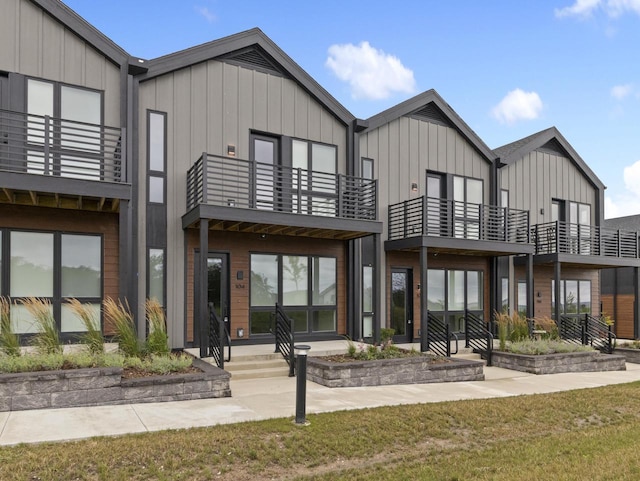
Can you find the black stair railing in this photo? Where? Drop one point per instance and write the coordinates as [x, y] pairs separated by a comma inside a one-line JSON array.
[[218, 337], [571, 329], [284, 338], [478, 336], [598, 334], [438, 337]]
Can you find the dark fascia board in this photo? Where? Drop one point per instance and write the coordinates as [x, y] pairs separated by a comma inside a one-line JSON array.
[[84, 30], [542, 138], [207, 51], [581, 261], [204, 211], [488, 248], [421, 100]]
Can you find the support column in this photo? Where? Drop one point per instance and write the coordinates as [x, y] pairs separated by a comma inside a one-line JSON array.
[[636, 302], [557, 276], [125, 253], [200, 318], [530, 293], [423, 299], [378, 287]]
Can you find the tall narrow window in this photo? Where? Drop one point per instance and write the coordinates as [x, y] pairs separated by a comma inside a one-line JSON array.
[[367, 168], [157, 156], [367, 301], [156, 275], [522, 298], [468, 197]]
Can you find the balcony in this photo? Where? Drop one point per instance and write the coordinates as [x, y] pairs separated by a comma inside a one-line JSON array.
[[572, 241], [255, 197], [58, 156], [454, 225]]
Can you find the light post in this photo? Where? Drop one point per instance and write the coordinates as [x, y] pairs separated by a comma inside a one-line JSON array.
[[301, 382]]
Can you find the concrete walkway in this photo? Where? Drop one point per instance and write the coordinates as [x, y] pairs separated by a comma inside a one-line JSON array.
[[259, 399]]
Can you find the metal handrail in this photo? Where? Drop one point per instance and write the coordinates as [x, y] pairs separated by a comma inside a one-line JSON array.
[[477, 336], [216, 338], [581, 239], [571, 329], [599, 334], [450, 218], [438, 337], [45, 145], [232, 182], [284, 334]]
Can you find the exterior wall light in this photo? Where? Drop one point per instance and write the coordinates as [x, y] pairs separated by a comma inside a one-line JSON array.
[[231, 150], [414, 187], [240, 332]]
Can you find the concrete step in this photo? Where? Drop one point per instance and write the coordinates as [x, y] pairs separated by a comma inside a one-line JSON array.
[[260, 373], [234, 365]]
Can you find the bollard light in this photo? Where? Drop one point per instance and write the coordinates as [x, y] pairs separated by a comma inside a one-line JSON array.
[[301, 382]]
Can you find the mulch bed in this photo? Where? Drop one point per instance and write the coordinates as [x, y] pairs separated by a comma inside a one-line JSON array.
[[133, 373]]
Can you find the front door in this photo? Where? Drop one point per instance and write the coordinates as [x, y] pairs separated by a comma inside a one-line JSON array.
[[217, 288], [265, 152], [401, 305]]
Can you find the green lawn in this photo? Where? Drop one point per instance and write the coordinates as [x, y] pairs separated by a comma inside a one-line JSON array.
[[588, 434]]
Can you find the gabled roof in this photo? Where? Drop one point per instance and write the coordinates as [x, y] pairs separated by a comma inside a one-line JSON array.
[[251, 46], [431, 105], [628, 223], [548, 139], [84, 30]]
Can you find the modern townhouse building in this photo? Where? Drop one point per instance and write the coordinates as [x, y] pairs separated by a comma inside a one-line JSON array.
[[225, 176]]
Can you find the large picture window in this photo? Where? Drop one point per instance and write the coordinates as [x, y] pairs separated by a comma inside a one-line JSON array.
[[319, 161], [575, 297], [450, 292], [304, 285], [54, 266]]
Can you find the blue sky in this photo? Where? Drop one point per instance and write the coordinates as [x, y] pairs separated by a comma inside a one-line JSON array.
[[509, 68]]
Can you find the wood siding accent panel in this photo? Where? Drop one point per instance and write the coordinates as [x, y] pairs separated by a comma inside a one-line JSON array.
[[620, 308], [45, 219], [411, 260], [239, 247]]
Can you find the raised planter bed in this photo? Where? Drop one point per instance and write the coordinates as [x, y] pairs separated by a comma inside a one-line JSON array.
[[408, 370], [631, 355], [589, 361], [104, 386]]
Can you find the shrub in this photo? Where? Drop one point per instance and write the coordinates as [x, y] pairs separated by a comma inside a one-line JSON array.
[[122, 320], [157, 339], [512, 328], [545, 346], [46, 340], [386, 335], [92, 337], [547, 324], [9, 341]]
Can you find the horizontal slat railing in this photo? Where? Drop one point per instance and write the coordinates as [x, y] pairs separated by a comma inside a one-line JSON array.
[[462, 220], [231, 182], [46, 145], [565, 238]]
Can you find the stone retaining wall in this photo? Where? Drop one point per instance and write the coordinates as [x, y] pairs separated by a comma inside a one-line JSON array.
[[104, 386], [589, 361], [409, 370], [631, 355]]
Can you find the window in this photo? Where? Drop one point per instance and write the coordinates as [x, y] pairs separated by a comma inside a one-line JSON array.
[[504, 198], [522, 298], [468, 198], [579, 230], [367, 301], [156, 275], [156, 146], [451, 292], [504, 294], [74, 114], [306, 287], [54, 266], [367, 168], [318, 163], [575, 297]]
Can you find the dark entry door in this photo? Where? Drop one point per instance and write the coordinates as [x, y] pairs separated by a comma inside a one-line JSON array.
[[217, 290], [401, 305]]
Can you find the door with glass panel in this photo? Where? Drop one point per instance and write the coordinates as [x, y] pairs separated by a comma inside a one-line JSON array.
[[4, 120], [217, 287], [401, 304], [436, 205], [266, 172], [580, 228]]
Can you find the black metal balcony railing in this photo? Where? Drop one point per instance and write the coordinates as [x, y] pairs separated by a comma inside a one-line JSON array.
[[462, 220], [564, 238], [44, 145], [225, 181]]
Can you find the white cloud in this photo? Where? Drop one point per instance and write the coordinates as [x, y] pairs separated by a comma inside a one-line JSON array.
[[371, 73], [518, 105], [626, 202], [586, 8], [208, 15], [582, 8], [621, 91]]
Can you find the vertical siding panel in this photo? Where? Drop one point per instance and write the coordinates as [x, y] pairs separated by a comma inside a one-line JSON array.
[[397, 172], [274, 104], [313, 114], [288, 107], [73, 59], [95, 73], [565, 178], [181, 119], [434, 158], [413, 141], [260, 105], [112, 94], [424, 146], [199, 102], [9, 35], [403, 159], [230, 111], [52, 35], [301, 123], [326, 128], [215, 107], [30, 40], [383, 155], [245, 104]]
